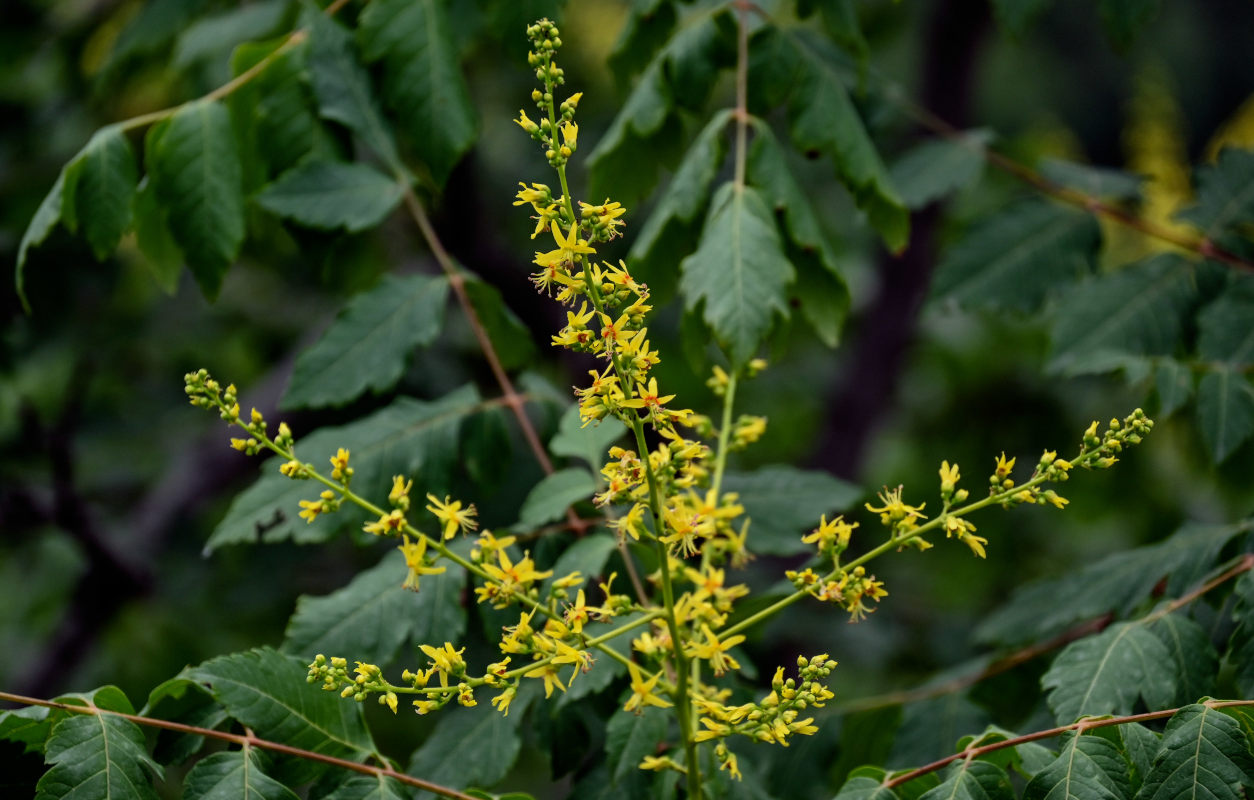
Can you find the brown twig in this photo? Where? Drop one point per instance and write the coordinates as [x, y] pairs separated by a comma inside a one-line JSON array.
[[248, 740], [976, 752]]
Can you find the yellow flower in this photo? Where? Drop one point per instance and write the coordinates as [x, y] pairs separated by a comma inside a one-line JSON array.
[[577, 614], [339, 465], [502, 700], [416, 561], [452, 515], [642, 691], [715, 651], [570, 134], [949, 478], [399, 496], [446, 661], [828, 534], [896, 513], [392, 522], [551, 679], [569, 248], [1003, 466], [310, 509]]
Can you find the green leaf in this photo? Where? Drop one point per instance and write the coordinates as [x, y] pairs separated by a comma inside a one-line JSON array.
[[939, 167], [470, 746], [409, 437], [29, 725], [46, 218], [972, 780], [195, 169], [367, 346], [162, 255], [1193, 657], [649, 25], [180, 699], [422, 80], [332, 194], [151, 28], [1204, 755], [864, 788], [930, 728], [99, 187], [589, 442], [1224, 330], [97, 755], [370, 618], [1139, 744], [278, 104], [1138, 310], [685, 196], [1087, 768], [1124, 19], [630, 737], [1115, 584], [1014, 259], [1225, 197], [549, 499], [738, 272], [1018, 15], [1174, 383], [237, 774], [1105, 674], [587, 556], [783, 503], [509, 336], [1026, 758], [1240, 652], [802, 71], [1225, 412], [343, 88], [212, 36], [266, 691], [367, 787], [1097, 182]]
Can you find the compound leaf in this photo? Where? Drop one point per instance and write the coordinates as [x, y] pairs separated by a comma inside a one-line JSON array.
[[1087, 768], [367, 346], [1241, 644], [1225, 197], [1224, 330], [100, 184], [97, 755], [46, 218], [971, 780], [1193, 657], [1105, 674], [332, 194], [1204, 755], [739, 272], [1225, 412]]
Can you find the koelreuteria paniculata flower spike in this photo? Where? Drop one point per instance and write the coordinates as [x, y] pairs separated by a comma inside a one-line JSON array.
[[667, 496]]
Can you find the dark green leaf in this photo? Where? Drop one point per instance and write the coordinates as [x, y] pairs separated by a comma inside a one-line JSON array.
[[549, 499], [510, 337], [739, 273], [367, 787], [343, 88], [1240, 651], [1225, 197], [1224, 330], [1014, 259], [648, 27], [46, 218], [784, 503], [1225, 412], [278, 104], [212, 36], [588, 442], [630, 737], [1117, 583], [1193, 657], [331, 194], [1096, 182], [97, 755], [1124, 19], [685, 196], [195, 168], [409, 437], [370, 618], [937, 168], [1138, 310], [1174, 382], [586, 556], [29, 725], [1087, 768], [1139, 744], [237, 774], [1018, 15], [180, 699], [1204, 756], [422, 81], [98, 190], [161, 253], [470, 746], [155, 25], [863, 788], [368, 344], [1105, 674], [931, 729], [972, 780], [1027, 758], [266, 691]]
